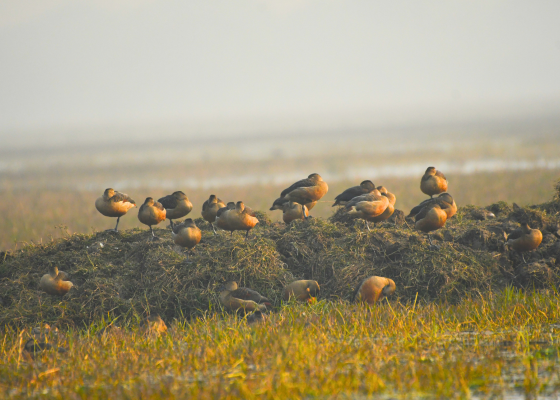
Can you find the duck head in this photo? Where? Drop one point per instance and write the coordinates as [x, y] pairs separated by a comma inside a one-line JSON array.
[[367, 185], [430, 171], [149, 201]]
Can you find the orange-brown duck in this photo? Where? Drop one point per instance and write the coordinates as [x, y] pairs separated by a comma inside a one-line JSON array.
[[431, 218], [367, 206], [55, 283], [374, 289], [241, 219], [151, 213], [305, 191], [445, 200], [186, 234], [210, 208], [222, 218], [524, 239], [280, 202], [433, 182], [293, 211], [364, 188], [390, 207], [245, 299], [177, 205], [303, 290], [114, 204]]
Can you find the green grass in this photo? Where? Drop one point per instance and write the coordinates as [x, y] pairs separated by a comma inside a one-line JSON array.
[[490, 345]]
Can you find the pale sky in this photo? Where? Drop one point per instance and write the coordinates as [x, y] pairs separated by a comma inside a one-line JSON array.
[[71, 63]]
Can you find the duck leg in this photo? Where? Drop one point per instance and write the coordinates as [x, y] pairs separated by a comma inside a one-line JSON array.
[[171, 224], [214, 229], [247, 235], [116, 226], [523, 258], [367, 224], [154, 237], [231, 234]]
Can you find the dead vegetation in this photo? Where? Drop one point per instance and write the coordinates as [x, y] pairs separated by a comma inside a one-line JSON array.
[[128, 276]]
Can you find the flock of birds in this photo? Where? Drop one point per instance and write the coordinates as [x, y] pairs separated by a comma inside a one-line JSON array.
[[366, 201]]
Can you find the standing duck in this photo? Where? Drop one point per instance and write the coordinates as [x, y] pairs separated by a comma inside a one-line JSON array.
[[293, 211], [151, 213], [222, 217], [364, 188], [431, 218], [390, 207], [234, 298], [445, 200], [374, 289], [177, 205], [304, 290], [55, 283], [524, 239], [186, 234], [367, 206], [114, 204], [433, 182], [241, 219], [209, 209], [305, 191]]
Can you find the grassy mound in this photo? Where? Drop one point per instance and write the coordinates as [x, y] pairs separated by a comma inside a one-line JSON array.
[[126, 275]]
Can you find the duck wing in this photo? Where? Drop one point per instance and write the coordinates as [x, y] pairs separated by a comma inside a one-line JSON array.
[[249, 294], [168, 201], [516, 234], [349, 194], [158, 206], [424, 211], [440, 175], [118, 197], [420, 206], [299, 184], [363, 197]]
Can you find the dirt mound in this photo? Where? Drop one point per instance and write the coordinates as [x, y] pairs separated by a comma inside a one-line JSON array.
[[128, 276]]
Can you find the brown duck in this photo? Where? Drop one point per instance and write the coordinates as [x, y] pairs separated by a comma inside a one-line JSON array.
[[280, 202], [293, 211], [306, 191], [186, 235], [151, 213], [367, 206], [433, 182], [430, 218], [364, 188], [374, 289], [114, 204], [222, 217], [390, 207], [234, 298], [303, 290], [210, 208], [177, 205], [445, 200], [55, 283], [524, 239], [241, 219]]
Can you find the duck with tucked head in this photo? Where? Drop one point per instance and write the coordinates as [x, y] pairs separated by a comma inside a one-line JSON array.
[[151, 213], [222, 217], [374, 289], [433, 182], [241, 219], [303, 290], [524, 239], [431, 218], [305, 191], [55, 283], [234, 298], [445, 200], [364, 188], [187, 235], [114, 204], [390, 207], [177, 205], [367, 206], [210, 208], [293, 211]]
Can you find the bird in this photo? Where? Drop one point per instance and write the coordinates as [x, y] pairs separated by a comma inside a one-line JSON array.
[[364, 188], [114, 204], [524, 239], [281, 201], [151, 213], [221, 217], [241, 219], [293, 211], [186, 234], [244, 299], [367, 206], [445, 200], [177, 205], [374, 289], [306, 191], [209, 209], [390, 207], [302, 290], [433, 182], [430, 218], [55, 283]]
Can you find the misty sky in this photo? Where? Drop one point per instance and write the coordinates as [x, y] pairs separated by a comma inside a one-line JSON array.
[[115, 62]]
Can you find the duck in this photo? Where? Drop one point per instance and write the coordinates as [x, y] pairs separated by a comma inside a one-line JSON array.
[[177, 205], [374, 289], [293, 211], [55, 283], [234, 298], [114, 204], [241, 219], [390, 207], [445, 200], [433, 182], [281, 201], [307, 190], [367, 206], [209, 209], [151, 213], [430, 218], [302, 290], [364, 188], [222, 218], [524, 239], [186, 234]]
